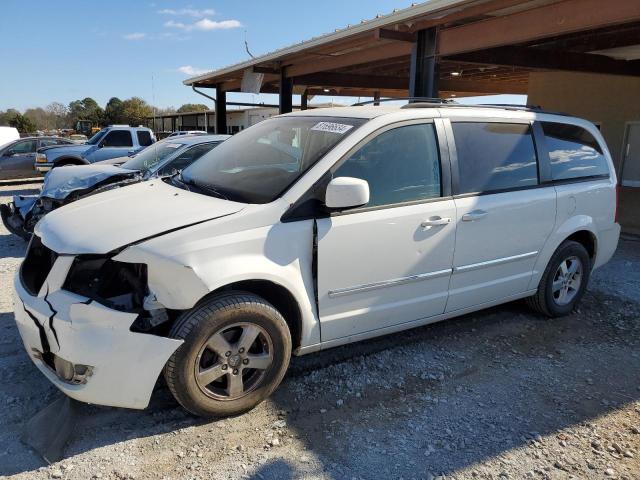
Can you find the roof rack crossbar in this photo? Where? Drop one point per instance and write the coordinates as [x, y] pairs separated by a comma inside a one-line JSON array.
[[439, 101]]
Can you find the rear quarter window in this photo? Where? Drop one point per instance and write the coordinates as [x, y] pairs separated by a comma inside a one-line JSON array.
[[573, 152]]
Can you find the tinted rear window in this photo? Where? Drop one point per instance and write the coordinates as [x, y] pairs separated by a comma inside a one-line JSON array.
[[494, 156], [573, 151]]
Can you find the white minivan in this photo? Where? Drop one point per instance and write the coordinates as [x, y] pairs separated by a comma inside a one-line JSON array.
[[307, 231]]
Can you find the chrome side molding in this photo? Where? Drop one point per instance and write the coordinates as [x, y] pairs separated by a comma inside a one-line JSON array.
[[388, 283], [491, 263]]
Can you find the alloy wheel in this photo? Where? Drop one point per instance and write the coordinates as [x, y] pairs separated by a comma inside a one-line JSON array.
[[233, 361], [567, 280]]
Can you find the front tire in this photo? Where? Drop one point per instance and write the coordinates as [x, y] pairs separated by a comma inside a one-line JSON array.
[[235, 353], [564, 281]]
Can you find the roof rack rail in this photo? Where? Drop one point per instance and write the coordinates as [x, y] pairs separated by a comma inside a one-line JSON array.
[[439, 101]]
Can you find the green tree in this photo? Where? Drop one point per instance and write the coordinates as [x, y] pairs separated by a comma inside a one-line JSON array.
[[193, 107], [5, 116], [114, 111], [20, 122], [135, 111], [86, 109]]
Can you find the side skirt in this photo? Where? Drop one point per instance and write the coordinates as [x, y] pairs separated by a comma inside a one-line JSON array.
[[408, 325]]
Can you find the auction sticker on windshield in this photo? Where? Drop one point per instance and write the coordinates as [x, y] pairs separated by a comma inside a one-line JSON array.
[[331, 127]]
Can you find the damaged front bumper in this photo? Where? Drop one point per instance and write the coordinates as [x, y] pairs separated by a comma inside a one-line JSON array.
[[16, 215], [86, 349]]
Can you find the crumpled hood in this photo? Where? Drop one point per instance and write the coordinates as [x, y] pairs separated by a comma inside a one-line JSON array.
[[115, 218], [60, 182]]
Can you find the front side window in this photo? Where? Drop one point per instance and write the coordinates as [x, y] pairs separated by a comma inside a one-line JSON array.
[[151, 156], [144, 138], [400, 165], [573, 151], [26, 146], [186, 158], [494, 156], [118, 138], [259, 163]]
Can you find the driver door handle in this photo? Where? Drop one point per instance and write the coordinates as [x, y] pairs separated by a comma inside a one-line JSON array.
[[474, 215], [435, 222]]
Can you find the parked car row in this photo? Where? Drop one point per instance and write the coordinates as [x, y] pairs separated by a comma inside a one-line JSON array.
[[66, 185], [307, 231], [110, 142]]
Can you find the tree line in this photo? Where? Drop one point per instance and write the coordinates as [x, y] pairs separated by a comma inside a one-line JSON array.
[[133, 111]]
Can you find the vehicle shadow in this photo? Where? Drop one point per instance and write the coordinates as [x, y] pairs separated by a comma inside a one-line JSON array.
[[435, 399]]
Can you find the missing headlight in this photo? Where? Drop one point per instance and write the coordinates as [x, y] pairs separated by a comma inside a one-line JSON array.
[[118, 285]]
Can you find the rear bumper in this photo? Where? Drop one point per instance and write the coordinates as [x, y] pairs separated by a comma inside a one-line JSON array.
[[87, 350], [607, 245]]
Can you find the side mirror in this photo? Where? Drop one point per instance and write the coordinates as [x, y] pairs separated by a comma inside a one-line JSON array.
[[346, 192]]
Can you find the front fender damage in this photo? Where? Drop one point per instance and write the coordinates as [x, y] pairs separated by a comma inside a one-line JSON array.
[[183, 290]]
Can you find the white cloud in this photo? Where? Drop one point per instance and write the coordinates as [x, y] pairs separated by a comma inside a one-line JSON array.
[[191, 71], [134, 36], [205, 25], [188, 12]]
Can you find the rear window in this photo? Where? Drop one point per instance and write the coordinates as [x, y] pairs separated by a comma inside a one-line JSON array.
[[494, 156], [144, 138], [573, 151]]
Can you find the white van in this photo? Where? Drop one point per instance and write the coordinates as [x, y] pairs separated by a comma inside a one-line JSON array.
[[307, 231], [8, 134]]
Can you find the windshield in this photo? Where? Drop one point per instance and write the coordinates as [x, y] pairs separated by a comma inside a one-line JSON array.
[[97, 137], [151, 156], [259, 163]]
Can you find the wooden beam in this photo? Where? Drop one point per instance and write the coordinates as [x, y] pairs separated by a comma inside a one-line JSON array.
[[267, 70], [482, 86], [556, 19], [599, 40], [465, 13], [332, 79], [373, 54], [549, 59], [386, 34]]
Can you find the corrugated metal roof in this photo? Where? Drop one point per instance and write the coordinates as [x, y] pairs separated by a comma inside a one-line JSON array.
[[397, 16]]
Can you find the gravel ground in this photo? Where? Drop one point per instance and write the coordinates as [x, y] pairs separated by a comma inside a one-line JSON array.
[[497, 394]]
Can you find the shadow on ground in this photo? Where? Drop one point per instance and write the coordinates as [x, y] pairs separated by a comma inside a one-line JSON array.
[[433, 399]]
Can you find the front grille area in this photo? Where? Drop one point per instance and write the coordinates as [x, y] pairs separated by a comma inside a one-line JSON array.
[[36, 265]]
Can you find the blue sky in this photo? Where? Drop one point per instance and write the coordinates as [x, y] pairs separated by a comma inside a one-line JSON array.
[[71, 49]]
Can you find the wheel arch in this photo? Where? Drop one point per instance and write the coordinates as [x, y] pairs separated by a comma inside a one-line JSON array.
[[277, 295], [587, 239], [579, 228]]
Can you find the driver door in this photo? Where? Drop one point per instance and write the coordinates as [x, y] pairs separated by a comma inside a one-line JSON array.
[[17, 160], [116, 143], [390, 261]]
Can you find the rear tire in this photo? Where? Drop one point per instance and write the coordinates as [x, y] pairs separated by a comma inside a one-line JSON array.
[[564, 281], [235, 353]]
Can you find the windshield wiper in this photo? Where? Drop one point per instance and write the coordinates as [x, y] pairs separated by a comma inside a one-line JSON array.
[[205, 188]]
